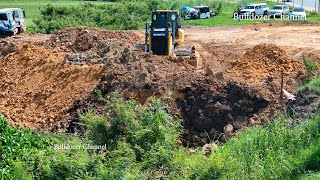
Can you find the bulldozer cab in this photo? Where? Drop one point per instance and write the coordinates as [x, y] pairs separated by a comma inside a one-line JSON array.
[[164, 31], [166, 19]]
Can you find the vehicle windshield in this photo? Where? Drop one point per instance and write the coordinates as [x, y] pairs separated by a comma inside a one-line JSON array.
[[3, 17], [277, 7], [16, 14], [298, 10], [249, 7]]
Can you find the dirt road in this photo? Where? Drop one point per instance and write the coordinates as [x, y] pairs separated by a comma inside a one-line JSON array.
[[288, 37]]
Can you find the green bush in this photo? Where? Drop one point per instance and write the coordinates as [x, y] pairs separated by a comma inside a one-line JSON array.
[[109, 16], [311, 67], [17, 145], [278, 151], [148, 130]]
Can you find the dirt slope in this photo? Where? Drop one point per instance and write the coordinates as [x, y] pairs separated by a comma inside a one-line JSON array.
[[38, 87], [261, 67]]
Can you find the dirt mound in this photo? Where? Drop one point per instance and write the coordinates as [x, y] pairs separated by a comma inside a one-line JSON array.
[[261, 67], [37, 87], [81, 39], [264, 61]]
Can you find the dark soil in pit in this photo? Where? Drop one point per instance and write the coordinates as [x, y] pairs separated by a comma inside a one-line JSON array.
[[307, 103], [206, 112]]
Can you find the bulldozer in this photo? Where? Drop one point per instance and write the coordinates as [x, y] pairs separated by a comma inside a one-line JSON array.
[[166, 38]]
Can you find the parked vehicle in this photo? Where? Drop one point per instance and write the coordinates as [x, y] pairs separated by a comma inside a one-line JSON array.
[[298, 12], [253, 9], [8, 24], [278, 10], [203, 12], [5, 30], [191, 13], [265, 8], [19, 16]]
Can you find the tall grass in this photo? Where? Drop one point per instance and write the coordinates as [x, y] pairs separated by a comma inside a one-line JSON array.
[[274, 152]]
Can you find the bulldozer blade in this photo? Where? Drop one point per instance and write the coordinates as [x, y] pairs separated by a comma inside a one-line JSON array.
[[139, 47], [189, 55]]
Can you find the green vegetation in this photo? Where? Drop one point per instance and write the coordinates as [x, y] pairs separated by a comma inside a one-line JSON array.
[[18, 145], [311, 66], [33, 7], [313, 85], [109, 16], [140, 142]]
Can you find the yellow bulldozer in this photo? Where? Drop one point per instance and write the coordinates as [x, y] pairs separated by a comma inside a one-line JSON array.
[[165, 37]]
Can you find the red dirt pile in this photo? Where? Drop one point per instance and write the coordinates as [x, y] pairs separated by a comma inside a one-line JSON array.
[[37, 87], [81, 39], [261, 67]]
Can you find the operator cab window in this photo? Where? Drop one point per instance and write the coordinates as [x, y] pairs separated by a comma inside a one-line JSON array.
[[3, 17], [16, 14], [159, 20]]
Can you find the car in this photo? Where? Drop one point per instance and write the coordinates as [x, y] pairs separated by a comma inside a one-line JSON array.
[[252, 9], [7, 18], [278, 10], [298, 12], [265, 8]]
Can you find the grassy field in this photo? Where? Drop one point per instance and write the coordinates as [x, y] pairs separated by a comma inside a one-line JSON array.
[[228, 7], [32, 7]]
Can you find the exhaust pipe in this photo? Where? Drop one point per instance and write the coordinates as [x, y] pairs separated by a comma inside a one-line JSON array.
[[146, 39]]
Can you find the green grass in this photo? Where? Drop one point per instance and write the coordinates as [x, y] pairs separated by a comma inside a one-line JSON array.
[[309, 176], [280, 151], [225, 17], [32, 7], [313, 85]]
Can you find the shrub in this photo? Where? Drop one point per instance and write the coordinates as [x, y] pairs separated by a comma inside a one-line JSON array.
[[109, 16], [17, 145], [311, 67]]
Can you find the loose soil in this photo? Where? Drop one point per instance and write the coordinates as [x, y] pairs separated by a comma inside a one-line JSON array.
[[44, 84]]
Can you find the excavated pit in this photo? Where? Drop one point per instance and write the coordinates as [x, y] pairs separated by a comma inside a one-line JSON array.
[[206, 112]]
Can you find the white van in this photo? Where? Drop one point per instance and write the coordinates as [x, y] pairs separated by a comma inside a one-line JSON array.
[[6, 16], [19, 16], [203, 11]]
